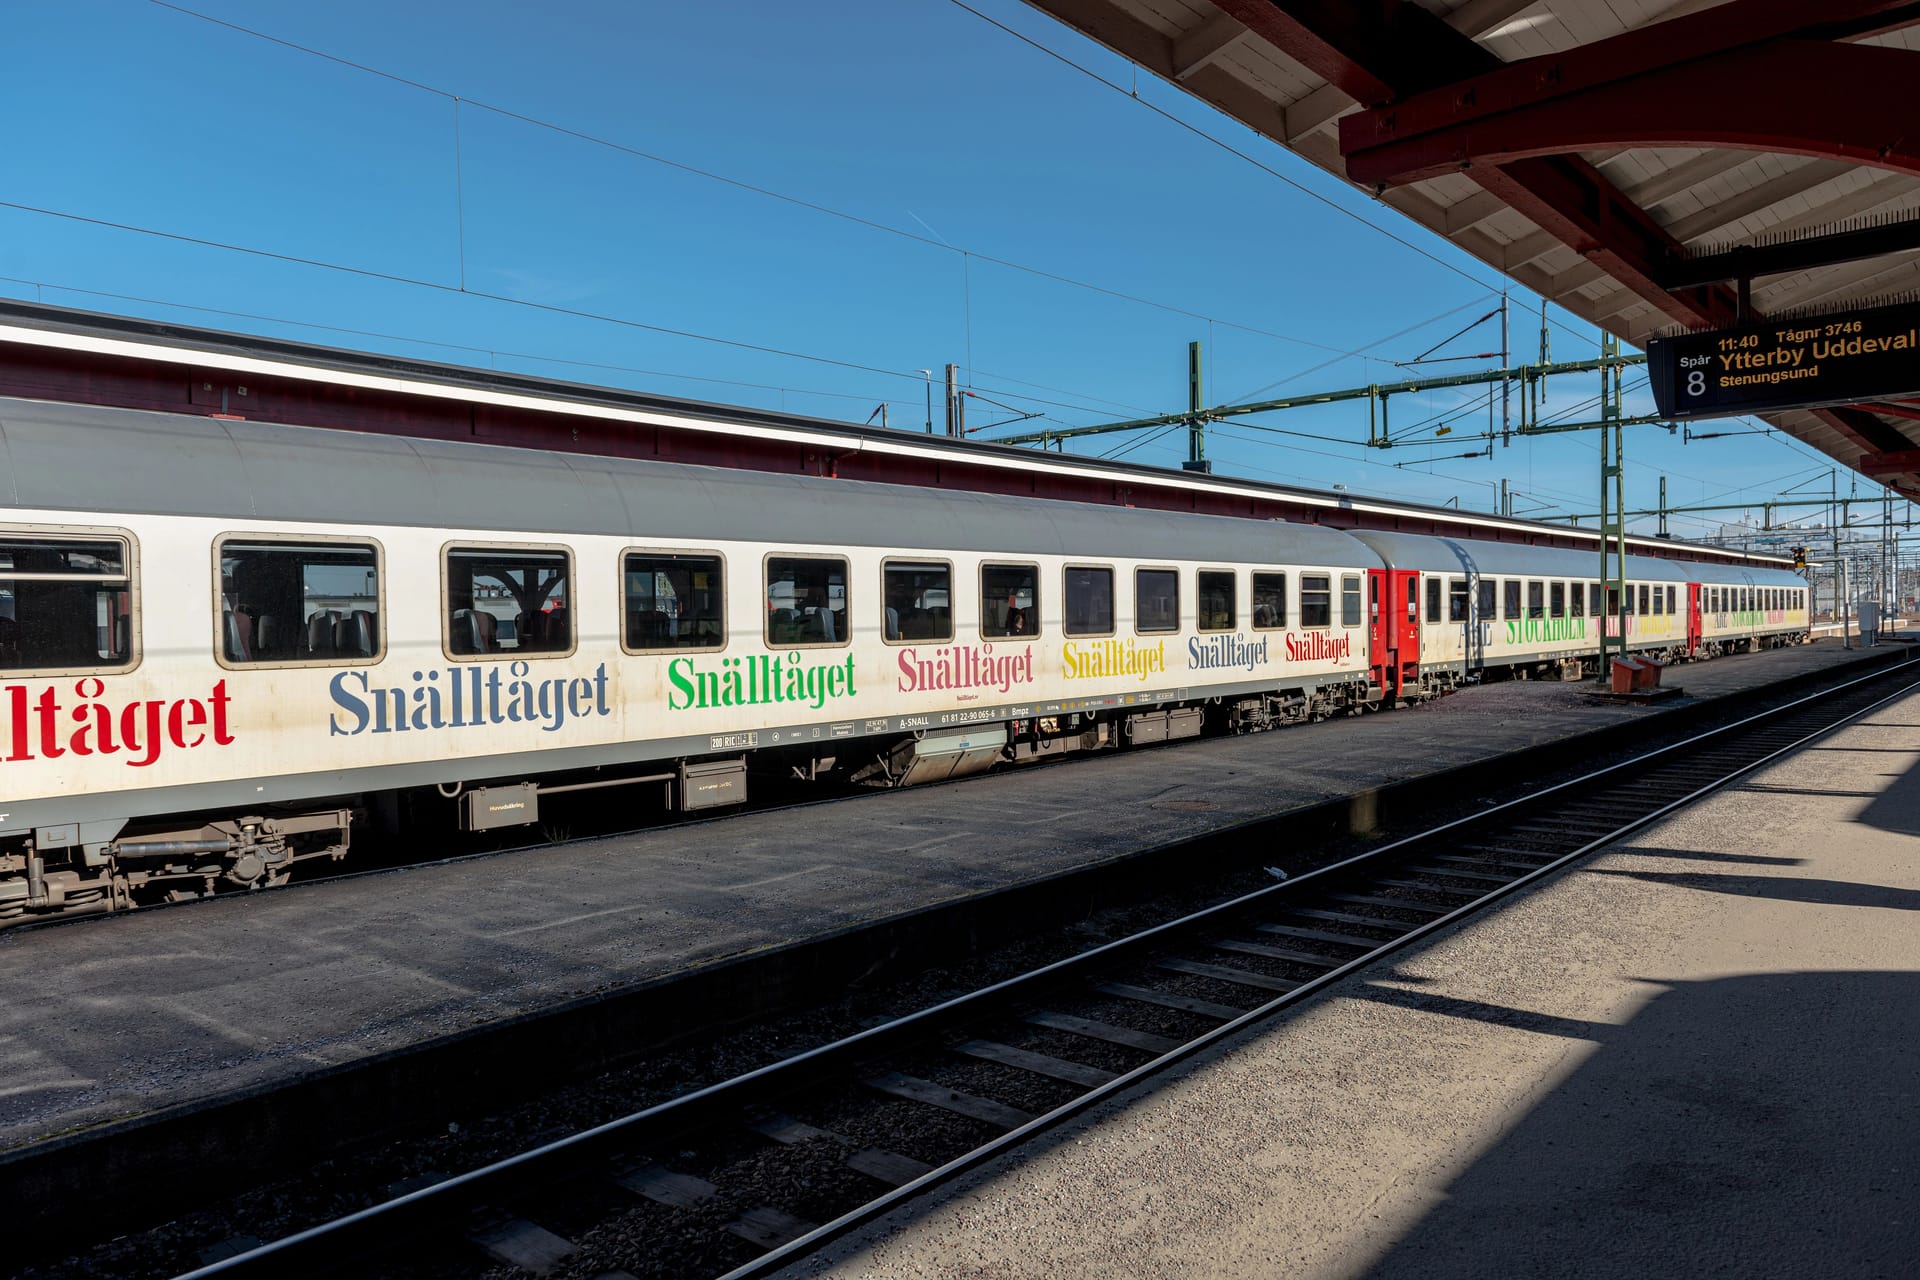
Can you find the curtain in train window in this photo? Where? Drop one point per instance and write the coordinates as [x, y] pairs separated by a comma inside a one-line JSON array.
[[65, 604]]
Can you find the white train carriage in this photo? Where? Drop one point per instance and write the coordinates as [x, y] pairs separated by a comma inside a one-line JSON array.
[[1480, 606], [216, 649]]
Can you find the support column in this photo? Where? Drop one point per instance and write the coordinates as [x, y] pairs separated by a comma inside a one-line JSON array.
[[1196, 425], [1613, 508]]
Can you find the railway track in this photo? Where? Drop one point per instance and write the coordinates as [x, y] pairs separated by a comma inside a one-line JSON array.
[[744, 1176]]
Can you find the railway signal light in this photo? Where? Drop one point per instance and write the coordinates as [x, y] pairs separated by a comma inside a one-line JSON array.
[[1799, 557]]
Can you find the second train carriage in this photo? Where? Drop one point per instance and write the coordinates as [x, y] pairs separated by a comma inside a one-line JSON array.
[[213, 653]]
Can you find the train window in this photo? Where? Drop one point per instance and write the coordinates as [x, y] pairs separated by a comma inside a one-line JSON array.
[[1350, 600], [1269, 601], [287, 602], [66, 604], [1594, 597], [806, 601], [1217, 603], [503, 600], [1488, 588], [1316, 600], [1089, 599], [918, 597], [1456, 599], [1433, 599], [1536, 600], [1576, 599], [1626, 599], [673, 601], [1659, 601], [1009, 600], [1556, 600], [1644, 593], [1673, 606], [1510, 605], [1156, 600]]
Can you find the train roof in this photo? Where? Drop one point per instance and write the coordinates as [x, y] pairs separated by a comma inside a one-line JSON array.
[[1456, 555], [57, 353], [52, 454]]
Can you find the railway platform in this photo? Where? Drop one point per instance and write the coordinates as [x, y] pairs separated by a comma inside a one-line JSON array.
[[108, 1019], [1692, 1054]]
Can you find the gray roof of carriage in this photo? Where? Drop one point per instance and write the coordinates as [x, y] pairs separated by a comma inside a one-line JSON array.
[[1456, 555], [91, 458]]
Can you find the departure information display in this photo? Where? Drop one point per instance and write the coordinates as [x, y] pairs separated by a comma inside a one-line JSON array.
[[1789, 364]]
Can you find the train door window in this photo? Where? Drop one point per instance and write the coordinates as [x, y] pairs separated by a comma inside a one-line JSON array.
[[1217, 602], [66, 603], [1576, 599], [1644, 599], [1556, 599], [917, 600], [1510, 606], [1536, 600], [1350, 600], [1488, 588], [1009, 600], [284, 602], [1269, 601], [1316, 600], [509, 600], [1433, 599], [672, 601], [807, 601], [1456, 600], [1089, 600], [1156, 600], [1673, 600]]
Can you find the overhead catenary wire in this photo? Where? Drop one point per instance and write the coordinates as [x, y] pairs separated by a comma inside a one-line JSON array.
[[581, 135]]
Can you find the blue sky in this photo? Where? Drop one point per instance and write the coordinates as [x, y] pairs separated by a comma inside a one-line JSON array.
[[937, 148]]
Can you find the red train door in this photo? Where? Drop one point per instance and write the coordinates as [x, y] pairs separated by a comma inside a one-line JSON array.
[[1378, 665], [1404, 645], [1693, 618], [1393, 628]]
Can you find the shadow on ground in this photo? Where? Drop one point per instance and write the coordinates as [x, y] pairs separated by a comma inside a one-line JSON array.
[[1766, 1125]]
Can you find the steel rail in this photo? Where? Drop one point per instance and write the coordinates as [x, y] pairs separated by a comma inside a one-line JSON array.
[[328, 1243]]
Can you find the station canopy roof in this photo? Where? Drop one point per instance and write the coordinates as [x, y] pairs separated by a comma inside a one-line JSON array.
[[1628, 160]]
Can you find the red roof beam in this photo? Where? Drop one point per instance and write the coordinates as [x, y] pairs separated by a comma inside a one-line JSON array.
[[1379, 49], [1813, 98], [1534, 82]]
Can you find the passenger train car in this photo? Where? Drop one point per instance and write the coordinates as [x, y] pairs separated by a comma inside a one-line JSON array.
[[225, 651]]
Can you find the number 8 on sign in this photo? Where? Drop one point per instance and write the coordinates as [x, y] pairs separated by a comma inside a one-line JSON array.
[[1696, 382]]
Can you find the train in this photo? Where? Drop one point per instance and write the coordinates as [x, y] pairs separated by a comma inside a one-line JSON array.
[[228, 646]]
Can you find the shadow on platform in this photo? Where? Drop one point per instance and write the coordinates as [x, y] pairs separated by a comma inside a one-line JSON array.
[[1755, 1126]]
